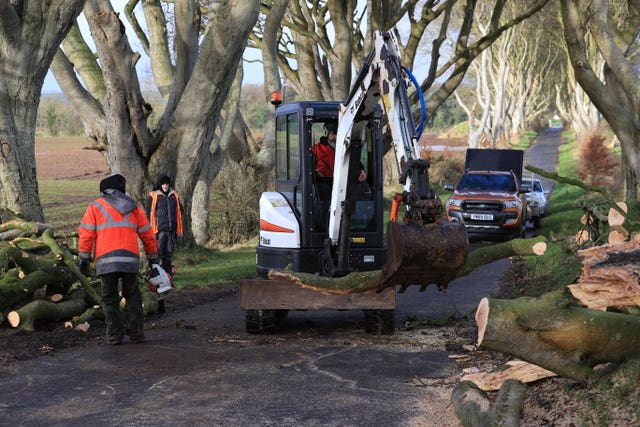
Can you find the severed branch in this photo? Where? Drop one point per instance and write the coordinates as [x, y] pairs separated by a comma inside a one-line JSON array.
[[590, 188]]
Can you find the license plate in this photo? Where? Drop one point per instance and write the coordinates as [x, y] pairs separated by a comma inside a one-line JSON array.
[[482, 217]]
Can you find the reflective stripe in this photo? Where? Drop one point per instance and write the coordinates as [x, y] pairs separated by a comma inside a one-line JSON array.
[[88, 226], [117, 225]]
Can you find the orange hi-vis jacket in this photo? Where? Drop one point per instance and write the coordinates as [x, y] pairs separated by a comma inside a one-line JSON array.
[[114, 234], [153, 211]]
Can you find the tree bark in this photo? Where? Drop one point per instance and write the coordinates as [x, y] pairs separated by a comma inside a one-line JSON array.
[[551, 333]]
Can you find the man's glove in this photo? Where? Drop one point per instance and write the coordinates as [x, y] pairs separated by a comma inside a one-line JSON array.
[[83, 266]]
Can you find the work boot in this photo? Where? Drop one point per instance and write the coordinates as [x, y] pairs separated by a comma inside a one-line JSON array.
[[137, 338], [114, 339]]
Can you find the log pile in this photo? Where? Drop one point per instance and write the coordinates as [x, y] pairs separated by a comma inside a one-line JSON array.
[[40, 281]]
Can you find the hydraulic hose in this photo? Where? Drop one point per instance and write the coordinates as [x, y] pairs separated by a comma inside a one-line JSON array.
[[423, 107]]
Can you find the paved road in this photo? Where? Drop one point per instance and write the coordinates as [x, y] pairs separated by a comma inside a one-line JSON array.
[[321, 370], [200, 368], [543, 154]]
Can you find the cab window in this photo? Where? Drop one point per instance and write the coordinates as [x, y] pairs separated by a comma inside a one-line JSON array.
[[287, 147]]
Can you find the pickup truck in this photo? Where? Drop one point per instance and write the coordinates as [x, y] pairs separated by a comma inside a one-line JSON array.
[[489, 199]]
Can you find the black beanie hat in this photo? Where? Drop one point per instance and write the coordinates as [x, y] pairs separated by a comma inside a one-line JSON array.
[[164, 179], [117, 182]]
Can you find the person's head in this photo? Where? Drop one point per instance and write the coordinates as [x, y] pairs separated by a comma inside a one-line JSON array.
[[331, 131], [164, 182], [324, 140], [115, 182]]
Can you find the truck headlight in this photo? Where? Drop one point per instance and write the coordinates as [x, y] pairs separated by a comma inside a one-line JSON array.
[[455, 202], [511, 204]]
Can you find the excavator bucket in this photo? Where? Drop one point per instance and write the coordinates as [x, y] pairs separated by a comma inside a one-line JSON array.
[[424, 254]]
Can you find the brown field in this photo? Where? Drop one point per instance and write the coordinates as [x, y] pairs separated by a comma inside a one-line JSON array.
[[66, 157]]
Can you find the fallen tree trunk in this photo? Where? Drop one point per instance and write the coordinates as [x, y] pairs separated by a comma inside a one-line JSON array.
[[26, 316], [552, 333], [473, 407], [367, 280]]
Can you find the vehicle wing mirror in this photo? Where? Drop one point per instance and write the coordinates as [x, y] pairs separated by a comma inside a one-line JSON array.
[[448, 187]]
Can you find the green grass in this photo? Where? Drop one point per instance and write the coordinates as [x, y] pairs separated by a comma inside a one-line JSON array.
[[201, 266]]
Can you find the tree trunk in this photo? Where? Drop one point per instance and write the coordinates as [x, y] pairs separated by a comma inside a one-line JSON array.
[[617, 96], [29, 37], [551, 333], [367, 280]]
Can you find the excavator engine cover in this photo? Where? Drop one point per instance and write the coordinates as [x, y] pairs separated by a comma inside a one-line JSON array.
[[424, 254]]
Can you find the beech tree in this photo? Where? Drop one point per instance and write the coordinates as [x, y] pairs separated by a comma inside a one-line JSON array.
[[30, 33], [615, 28], [193, 72]]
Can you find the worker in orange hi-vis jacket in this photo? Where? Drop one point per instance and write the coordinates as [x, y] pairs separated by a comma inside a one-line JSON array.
[[110, 229]]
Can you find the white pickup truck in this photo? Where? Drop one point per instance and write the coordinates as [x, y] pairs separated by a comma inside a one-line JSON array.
[[537, 201]]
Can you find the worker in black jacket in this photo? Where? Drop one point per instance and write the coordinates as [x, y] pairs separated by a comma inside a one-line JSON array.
[[163, 210]]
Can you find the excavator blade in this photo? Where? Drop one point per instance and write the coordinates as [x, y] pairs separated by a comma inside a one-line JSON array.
[[422, 255]]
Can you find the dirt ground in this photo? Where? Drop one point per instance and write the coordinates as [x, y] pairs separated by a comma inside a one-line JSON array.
[[548, 402]]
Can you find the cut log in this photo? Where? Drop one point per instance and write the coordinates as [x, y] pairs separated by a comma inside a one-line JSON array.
[[518, 370], [550, 332], [26, 316], [473, 407], [15, 290], [363, 281], [616, 236]]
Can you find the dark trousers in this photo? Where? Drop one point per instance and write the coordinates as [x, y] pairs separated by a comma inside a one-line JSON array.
[[133, 319], [166, 243]]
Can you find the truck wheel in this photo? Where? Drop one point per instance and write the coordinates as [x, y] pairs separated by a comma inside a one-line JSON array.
[[536, 222], [380, 322], [265, 321]]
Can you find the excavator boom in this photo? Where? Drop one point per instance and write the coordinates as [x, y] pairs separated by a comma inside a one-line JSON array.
[[421, 249]]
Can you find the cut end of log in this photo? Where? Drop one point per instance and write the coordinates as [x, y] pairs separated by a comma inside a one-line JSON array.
[[615, 217], [14, 319], [56, 297], [539, 248], [482, 317]]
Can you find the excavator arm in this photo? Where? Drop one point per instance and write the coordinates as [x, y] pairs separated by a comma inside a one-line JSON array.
[[382, 83]]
